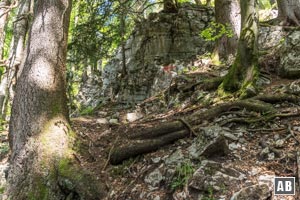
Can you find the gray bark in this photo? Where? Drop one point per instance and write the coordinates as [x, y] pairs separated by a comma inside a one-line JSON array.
[[228, 12], [289, 11], [15, 56], [42, 162], [244, 71], [3, 20]]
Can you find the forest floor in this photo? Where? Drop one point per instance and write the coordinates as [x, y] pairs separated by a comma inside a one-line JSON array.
[[260, 151], [257, 150]]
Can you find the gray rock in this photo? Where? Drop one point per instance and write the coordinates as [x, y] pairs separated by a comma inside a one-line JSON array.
[[212, 175], [218, 147], [102, 121], [293, 88], [113, 121], [279, 143], [234, 146], [289, 58], [175, 158], [254, 192], [230, 136], [154, 178], [154, 53], [131, 117]]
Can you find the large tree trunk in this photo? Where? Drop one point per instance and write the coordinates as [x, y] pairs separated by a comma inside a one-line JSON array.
[[42, 159], [289, 11], [228, 13], [15, 55], [244, 72]]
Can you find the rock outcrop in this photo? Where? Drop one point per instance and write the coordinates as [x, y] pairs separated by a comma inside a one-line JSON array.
[[289, 56], [155, 51]]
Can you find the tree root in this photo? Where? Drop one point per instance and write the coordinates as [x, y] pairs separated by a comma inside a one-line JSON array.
[[144, 146], [150, 139]]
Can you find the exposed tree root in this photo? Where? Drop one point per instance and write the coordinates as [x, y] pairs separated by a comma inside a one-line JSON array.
[[145, 146], [151, 139]]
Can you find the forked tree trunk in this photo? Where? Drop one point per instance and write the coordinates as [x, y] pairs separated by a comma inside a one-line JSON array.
[[42, 160], [289, 11], [227, 12], [243, 73]]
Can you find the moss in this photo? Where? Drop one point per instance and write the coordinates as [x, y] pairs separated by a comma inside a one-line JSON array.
[[66, 168], [39, 190], [2, 189], [87, 111]]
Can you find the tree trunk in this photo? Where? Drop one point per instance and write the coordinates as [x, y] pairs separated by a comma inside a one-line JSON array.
[[243, 73], [170, 6], [228, 13], [15, 55], [42, 163], [289, 11], [198, 2], [3, 21], [123, 39]]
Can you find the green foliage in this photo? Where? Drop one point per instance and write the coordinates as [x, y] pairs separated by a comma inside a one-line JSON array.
[[215, 31], [87, 111], [210, 194], [4, 148], [184, 1], [265, 4], [2, 189], [182, 175]]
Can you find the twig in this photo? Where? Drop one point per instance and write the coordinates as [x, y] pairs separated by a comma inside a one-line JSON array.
[[110, 152], [292, 133], [188, 126]]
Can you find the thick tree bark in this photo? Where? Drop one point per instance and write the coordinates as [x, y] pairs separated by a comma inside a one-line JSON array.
[[243, 73], [228, 13], [42, 159], [289, 11]]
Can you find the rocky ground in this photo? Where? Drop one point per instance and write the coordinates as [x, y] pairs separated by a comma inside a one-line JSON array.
[[228, 158], [224, 158], [233, 155]]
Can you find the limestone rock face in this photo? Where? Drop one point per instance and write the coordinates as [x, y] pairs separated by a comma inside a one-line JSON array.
[[290, 59], [270, 37], [155, 52]]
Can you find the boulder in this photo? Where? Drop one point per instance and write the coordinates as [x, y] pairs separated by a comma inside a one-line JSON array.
[[289, 56]]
